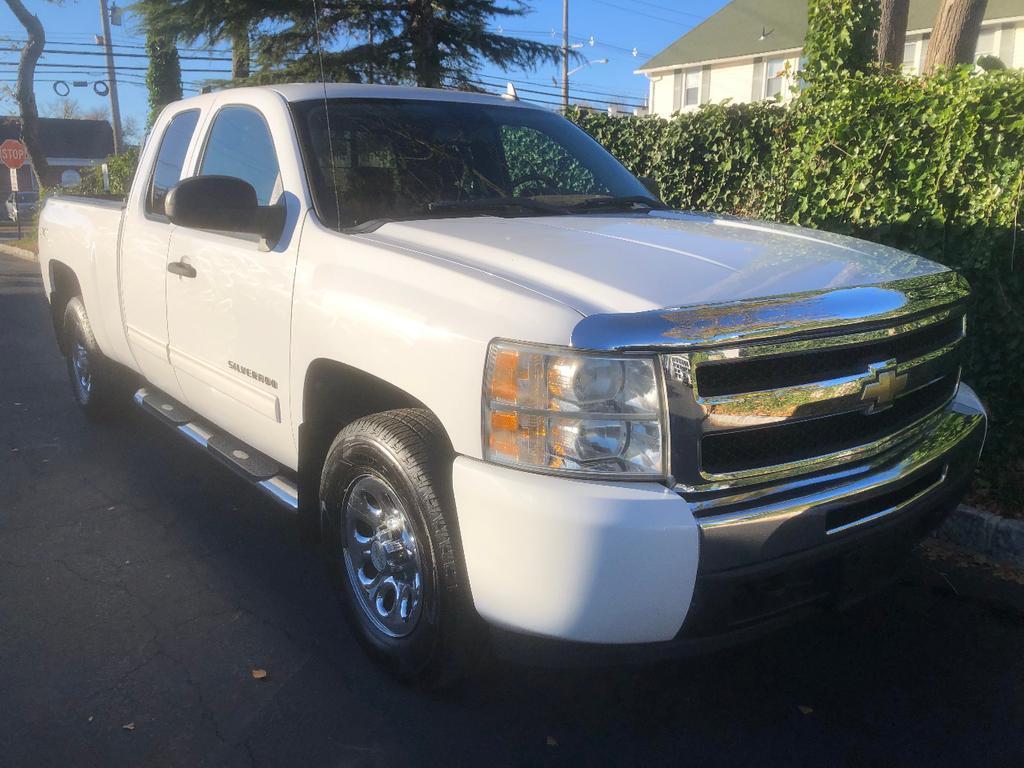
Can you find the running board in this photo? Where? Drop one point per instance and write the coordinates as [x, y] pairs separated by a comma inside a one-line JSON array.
[[252, 465]]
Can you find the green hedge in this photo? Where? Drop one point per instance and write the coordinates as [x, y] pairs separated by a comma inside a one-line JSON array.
[[932, 166], [121, 170]]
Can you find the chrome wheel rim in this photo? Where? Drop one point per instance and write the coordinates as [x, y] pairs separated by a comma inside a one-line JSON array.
[[82, 372], [382, 556]]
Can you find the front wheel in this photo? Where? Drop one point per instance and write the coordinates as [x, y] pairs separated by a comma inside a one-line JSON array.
[[392, 545]]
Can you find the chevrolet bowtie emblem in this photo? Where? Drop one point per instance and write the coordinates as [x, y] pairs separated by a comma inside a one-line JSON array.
[[880, 393]]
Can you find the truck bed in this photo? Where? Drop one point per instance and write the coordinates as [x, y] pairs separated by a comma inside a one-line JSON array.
[[83, 233]]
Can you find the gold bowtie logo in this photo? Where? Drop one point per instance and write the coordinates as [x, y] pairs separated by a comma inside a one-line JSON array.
[[880, 393]]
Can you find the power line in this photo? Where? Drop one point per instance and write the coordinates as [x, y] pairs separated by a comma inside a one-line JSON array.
[[501, 81], [638, 13], [120, 68], [660, 7], [137, 46], [598, 43], [619, 102], [130, 55]]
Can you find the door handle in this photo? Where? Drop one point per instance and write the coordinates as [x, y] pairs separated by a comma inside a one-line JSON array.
[[181, 269]]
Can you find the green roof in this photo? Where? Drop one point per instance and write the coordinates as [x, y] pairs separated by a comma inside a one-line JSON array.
[[736, 29]]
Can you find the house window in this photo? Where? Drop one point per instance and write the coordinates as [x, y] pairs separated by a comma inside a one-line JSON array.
[[986, 43], [691, 88], [910, 55], [774, 77]]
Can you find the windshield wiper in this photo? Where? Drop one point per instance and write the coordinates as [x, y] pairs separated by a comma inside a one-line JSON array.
[[494, 204], [627, 202]]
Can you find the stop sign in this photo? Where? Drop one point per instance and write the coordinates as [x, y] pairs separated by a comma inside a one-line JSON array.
[[13, 154]]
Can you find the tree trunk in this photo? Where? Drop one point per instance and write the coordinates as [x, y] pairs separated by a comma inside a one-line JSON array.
[[25, 92], [955, 35], [240, 53], [892, 34], [425, 56]]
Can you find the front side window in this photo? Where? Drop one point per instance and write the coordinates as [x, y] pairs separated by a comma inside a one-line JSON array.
[[404, 159], [240, 145], [170, 159]]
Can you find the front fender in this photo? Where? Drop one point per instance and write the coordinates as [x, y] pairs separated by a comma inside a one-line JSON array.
[[414, 320]]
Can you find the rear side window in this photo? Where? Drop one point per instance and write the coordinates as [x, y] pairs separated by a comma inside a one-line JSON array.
[[170, 158], [240, 145]]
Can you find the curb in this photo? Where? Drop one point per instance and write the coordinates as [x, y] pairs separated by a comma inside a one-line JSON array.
[[18, 253], [999, 539]]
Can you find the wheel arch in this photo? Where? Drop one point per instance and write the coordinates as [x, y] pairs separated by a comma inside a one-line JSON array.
[[64, 286], [334, 394]]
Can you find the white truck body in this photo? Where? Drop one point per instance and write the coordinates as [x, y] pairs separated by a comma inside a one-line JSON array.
[[417, 303]]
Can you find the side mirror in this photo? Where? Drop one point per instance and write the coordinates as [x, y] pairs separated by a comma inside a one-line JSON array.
[[223, 203], [651, 185]]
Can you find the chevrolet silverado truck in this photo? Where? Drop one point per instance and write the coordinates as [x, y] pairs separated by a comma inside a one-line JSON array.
[[519, 396]]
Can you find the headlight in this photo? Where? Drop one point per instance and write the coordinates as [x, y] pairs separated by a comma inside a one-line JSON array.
[[559, 410]]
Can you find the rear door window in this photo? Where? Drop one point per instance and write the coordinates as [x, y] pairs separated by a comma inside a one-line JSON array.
[[170, 159]]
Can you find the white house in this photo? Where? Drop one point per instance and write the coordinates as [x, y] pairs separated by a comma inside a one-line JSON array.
[[751, 50]]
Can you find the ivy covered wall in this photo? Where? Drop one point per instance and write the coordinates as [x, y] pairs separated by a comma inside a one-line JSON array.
[[933, 166]]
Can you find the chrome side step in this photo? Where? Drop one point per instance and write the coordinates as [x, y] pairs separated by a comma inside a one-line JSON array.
[[260, 470]]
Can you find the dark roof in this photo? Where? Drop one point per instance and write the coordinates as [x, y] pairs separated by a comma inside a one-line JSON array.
[[93, 139], [736, 29]]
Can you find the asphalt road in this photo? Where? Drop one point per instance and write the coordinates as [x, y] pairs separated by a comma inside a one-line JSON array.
[[140, 583]]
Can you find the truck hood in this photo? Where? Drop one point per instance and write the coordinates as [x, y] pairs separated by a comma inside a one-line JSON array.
[[635, 262]]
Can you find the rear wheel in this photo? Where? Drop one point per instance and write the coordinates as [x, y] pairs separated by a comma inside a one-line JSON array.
[[95, 383], [391, 542]]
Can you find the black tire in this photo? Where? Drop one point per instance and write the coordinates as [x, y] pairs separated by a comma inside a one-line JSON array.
[[97, 388], [407, 451]]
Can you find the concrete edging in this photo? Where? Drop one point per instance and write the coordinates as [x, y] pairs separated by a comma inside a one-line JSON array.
[[20, 253], [1000, 539]]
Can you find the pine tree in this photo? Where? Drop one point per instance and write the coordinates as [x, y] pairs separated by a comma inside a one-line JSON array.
[[431, 43], [211, 21]]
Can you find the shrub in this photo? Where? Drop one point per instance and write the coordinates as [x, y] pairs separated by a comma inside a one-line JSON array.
[[121, 169]]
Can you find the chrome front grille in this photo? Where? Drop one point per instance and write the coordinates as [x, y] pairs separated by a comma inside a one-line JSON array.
[[770, 409]]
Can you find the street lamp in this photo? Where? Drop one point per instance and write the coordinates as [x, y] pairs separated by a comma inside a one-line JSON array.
[[585, 65], [567, 73]]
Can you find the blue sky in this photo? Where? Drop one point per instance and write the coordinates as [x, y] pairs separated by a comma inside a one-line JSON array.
[[617, 26]]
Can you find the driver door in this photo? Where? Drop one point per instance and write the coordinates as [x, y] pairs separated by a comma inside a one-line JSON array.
[[229, 314]]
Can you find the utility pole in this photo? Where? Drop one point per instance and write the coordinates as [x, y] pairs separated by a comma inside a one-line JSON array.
[[565, 56], [115, 109]]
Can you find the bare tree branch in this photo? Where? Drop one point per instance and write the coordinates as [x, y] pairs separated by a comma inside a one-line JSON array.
[[25, 91]]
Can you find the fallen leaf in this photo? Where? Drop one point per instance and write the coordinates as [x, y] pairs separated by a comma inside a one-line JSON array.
[[259, 674], [552, 741], [129, 726], [804, 709]]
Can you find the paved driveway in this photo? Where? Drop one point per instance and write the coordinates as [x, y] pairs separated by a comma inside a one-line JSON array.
[[140, 583]]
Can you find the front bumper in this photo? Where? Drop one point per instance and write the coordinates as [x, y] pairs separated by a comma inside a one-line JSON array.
[[637, 563]]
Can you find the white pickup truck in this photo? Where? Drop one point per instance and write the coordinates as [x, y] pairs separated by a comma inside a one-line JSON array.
[[519, 394]]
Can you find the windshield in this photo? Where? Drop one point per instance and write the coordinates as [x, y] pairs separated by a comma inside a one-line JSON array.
[[403, 159]]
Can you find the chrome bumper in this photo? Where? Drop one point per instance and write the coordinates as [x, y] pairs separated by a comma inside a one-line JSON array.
[[744, 529]]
